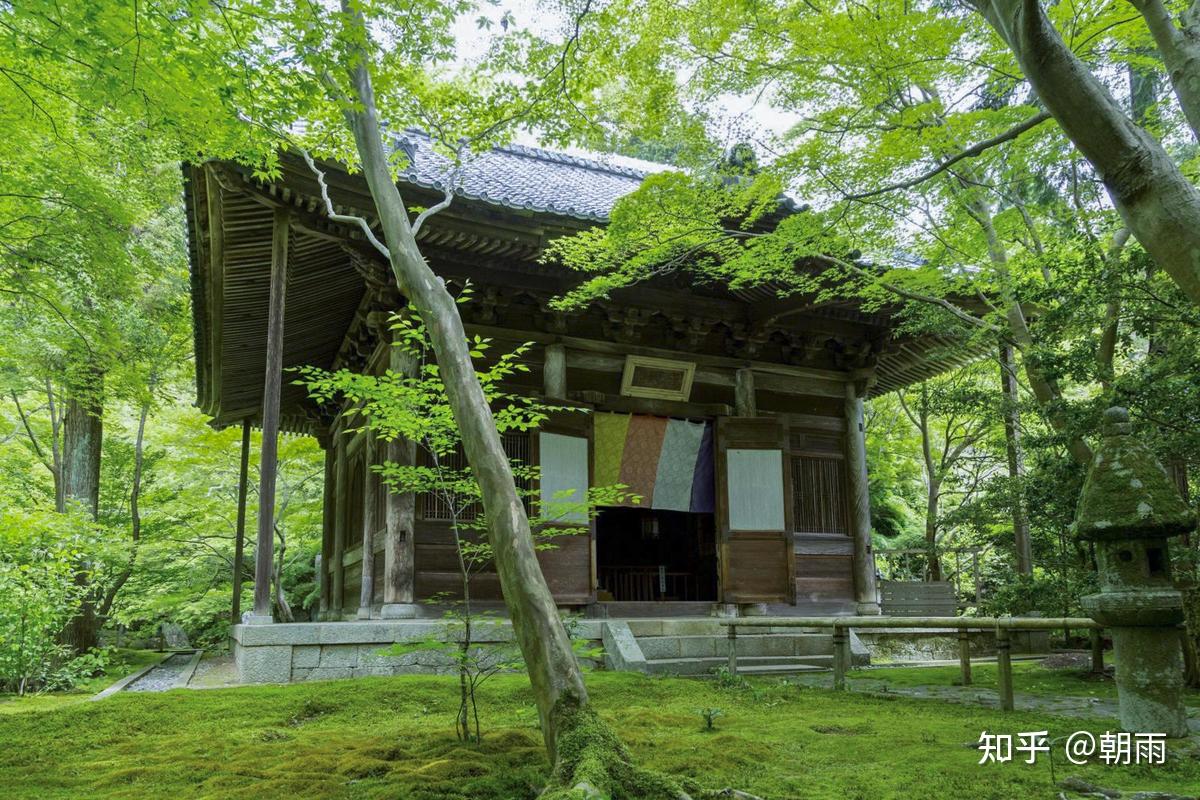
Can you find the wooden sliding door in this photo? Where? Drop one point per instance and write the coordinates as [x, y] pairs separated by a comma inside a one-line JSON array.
[[754, 510]]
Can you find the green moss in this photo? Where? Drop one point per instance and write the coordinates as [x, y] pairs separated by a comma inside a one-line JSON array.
[[393, 739], [1127, 491], [1029, 677]]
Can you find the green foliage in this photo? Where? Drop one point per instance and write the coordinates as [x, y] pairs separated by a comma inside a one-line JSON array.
[[40, 554], [710, 717]]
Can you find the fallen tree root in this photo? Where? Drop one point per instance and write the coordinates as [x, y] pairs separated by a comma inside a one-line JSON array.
[[593, 764]]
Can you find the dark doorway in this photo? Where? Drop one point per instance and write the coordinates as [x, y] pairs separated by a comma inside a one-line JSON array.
[[647, 555]]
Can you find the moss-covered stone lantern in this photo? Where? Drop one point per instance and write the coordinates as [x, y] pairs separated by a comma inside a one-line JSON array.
[[1129, 509]]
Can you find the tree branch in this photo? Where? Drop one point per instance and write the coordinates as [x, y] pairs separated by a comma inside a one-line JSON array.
[[346, 218], [970, 152]]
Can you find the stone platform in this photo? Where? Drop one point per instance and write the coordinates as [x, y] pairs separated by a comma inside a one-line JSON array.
[[698, 646]]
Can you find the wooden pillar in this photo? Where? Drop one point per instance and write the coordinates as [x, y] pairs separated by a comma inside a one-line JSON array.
[[337, 578], [860, 503], [399, 549], [328, 521], [370, 487], [744, 402], [964, 655], [554, 372], [265, 547], [239, 545]]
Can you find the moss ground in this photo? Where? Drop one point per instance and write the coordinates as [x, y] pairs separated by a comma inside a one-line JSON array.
[[126, 663], [1028, 677], [393, 738]]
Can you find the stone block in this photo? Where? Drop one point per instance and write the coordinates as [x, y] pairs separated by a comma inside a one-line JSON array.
[[621, 649], [284, 634], [306, 656], [339, 655], [698, 646], [399, 611], [266, 664]]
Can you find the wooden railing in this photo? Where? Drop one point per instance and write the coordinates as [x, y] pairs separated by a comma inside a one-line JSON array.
[[1003, 626], [642, 583]]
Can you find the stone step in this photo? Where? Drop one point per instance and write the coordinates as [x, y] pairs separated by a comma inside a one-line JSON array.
[[780, 669], [705, 666], [706, 627], [701, 646]]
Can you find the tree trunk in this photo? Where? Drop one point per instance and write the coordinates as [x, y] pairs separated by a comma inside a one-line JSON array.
[[1016, 459], [1180, 49], [1158, 203], [83, 430], [553, 671], [135, 514], [282, 606], [933, 562], [1045, 389]]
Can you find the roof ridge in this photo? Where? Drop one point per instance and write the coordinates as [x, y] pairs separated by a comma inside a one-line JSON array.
[[542, 154], [584, 162]]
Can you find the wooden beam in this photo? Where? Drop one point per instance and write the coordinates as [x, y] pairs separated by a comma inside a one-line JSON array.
[[554, 372], [744, 402], [614, 348], [832, 385], [268, 465], [239, 547], [215, 291]]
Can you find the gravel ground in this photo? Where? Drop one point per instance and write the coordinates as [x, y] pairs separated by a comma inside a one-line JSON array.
[[163, 676]]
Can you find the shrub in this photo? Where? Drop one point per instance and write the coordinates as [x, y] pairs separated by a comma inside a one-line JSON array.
[[40, 556]]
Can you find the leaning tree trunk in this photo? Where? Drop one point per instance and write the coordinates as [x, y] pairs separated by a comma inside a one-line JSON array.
[[583, 750], [553, 671], [1155, 199], [83, 430]]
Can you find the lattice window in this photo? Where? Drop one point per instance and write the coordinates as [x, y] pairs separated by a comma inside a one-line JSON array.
[[434, 506], [819, 495]]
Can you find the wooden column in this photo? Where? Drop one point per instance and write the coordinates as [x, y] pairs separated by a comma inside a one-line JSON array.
[[399, 563], [265, 548], [744, 402], [554, 372], [239, 546], [860, 503], [328, 521], [370, 486], [337, 578]]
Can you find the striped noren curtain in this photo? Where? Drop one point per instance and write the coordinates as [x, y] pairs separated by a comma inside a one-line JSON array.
[[668, 462]]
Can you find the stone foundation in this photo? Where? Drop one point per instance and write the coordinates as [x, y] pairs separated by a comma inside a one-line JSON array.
[[326, 650]]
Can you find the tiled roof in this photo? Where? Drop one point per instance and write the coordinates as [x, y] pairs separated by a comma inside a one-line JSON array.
[[522, 177]]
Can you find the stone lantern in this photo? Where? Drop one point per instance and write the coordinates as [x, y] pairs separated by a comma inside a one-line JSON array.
[[1129, 509]]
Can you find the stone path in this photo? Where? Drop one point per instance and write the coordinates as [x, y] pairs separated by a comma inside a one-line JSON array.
[[162, 677], [215, 671], [1062, 705]]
